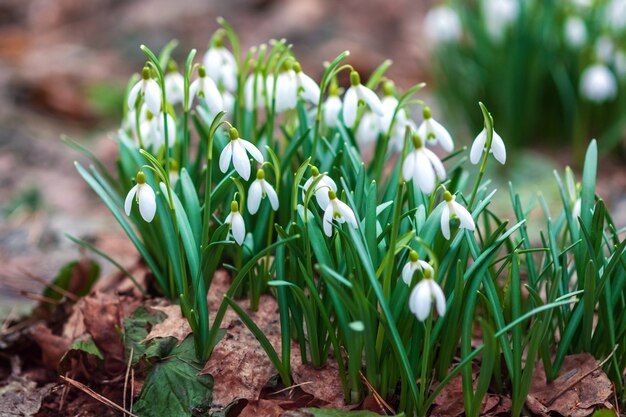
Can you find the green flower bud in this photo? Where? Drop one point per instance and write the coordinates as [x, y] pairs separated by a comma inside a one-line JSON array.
[[234, 207], [426, 113], [355, 78], [201, 71], [145, 73], [427, 273], [233, 133], [260, 174], [417, 141], [314, 171], [331, 195], [447, 196], [414, 256], [141, 178]]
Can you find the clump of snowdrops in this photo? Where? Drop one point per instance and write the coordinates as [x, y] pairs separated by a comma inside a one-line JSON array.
[[388, 268], [555, 70]]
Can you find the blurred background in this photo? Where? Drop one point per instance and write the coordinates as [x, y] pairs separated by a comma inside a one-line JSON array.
[[553, 74]]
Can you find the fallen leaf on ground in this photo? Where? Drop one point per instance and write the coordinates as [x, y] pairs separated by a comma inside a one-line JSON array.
[[53, 346], [324, 383], [21, 397], [579, 389], [175, 325]]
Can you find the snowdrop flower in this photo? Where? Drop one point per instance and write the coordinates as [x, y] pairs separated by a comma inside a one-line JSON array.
[[257, 99], [158, 137], [258, 190], [368, 130], [390, 104], [174, 84], [499, 15], [422, 296], [146, 199], [324, 185], [434, 132], [332, 106], [306, 87], [422, 166], [149, 90], [451, 210], [357, 94], [338, 211], [237, 225], [286, 88], [237, 150], [480, 142], [598, 84], [174, 173], [604, 49], [616, 15], [205, 88], [220, 64], [414, 264], [575, 32], [442, 24]]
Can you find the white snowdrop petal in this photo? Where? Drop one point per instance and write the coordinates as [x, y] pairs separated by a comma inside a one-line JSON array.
[[424, 173], [212, 96], [421, 300], [193, 91], [347, 213], [238, 227], [306, 186], [407, 273], [226, 156], [152, 95], [271, 195], [332, 108], [440, 170], [350, 107], [498, 149], [326, 221], [576, 209], [445, 222], [252, 150], [133, 93], [439, 296], [408, 166], [371, 99], [442, 135], [240, 160], [321, 195], [478, 147], [147, 202], [311, 91], [128, 203], [255, 194], [467, 222], [174, 87]]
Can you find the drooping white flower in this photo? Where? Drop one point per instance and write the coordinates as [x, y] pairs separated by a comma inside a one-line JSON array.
[[422, 296], [332, 106], [205, 88], [499, 15], [263, 92], [146, 199], [306, 87], [356, 94], [390, 107], [414, 264], [598, 84], [149, 90], [422, 166], [259, 189], [368, 130], [480, 142], [604, 48], [237, 225], [616, 15], [174, 84], [451, 210], [338, 211], [286, 88], [220, 64], [324, 185], [575, 32], [158, 138], [442, 24], [237, 150], [434, 132]]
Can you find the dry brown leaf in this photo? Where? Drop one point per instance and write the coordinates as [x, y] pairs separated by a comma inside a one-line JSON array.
[[22, 397], [262, 407], [324, 383], [579, 389], [74, 327], [53, 346], [175, 325]]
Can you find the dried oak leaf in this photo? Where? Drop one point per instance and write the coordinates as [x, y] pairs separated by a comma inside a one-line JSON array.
[[324, 383], [262, 407], [175, 325], [579, 389], [53, 346], [238, 364]]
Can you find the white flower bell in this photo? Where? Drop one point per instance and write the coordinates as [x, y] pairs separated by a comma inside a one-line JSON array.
[[306, 87], [442, 24], [286, 88], [205, 88], [221, 64], [324, 185], [368, 130], [356, 94], [575, 32], [237, 151], [422, 166], [237, 225], [451, 210], [259, 189], [146, 199], [414, 264], [338, 211], [422, 296], [174, 84], [263, 91], [390, 106], [598, 84], [434, 132], [332, 106], [480, 142], [149, 90], [499, 15]]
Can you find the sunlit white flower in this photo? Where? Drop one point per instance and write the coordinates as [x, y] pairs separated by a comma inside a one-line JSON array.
[[237, 225], [174, 84], [414, 264], [368, 130], [422, 296], [499, 15], [390, 107], [306, 87], [356, 94], [451, 210], [221, 65], [575, 32], [331, 109], [205, 88], [598, 84], [322, 187], [259, 189], [480, 142], [158, 137], [442, 24], [338, 211], [237, 150], [604, 48], [149, 90], [616, 15], [422, 166], [146, 199], [434, 132], [286, 88]]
